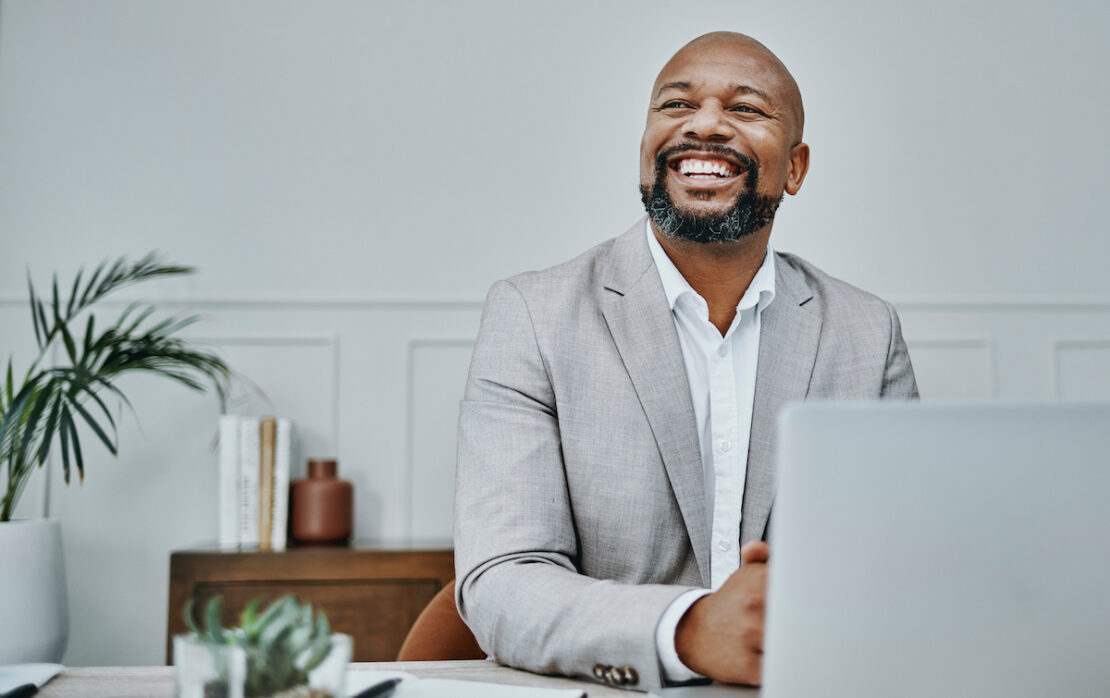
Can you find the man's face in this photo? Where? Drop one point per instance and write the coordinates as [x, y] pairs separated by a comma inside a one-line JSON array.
[[722, 141]]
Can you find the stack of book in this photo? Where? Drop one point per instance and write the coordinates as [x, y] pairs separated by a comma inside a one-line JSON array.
[[255, 457]]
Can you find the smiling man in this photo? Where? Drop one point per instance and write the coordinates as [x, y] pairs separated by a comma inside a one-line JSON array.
[[617, 433]]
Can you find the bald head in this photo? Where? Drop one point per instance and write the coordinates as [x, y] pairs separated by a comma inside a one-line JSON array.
[[731, 50]]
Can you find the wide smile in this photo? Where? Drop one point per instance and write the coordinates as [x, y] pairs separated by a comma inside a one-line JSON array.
[[704, 171]]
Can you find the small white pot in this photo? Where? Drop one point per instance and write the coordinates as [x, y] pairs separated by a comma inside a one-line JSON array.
[[34, 613]]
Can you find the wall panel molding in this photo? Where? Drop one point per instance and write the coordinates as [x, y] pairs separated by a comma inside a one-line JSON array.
[[415, 345], [1063, 345], [932, 354], [236, 300], [326, 340]]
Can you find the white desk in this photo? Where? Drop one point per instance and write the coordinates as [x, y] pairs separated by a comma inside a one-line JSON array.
[[157, 681]]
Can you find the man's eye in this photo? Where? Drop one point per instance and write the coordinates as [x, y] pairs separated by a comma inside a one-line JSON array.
[[674, 104], [747, 109]]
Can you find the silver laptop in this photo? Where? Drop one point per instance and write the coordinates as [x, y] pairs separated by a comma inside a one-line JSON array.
[[941, 550]]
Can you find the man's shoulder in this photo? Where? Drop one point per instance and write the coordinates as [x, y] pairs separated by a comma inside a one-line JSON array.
[[830, 291], [573, 273], [587, 274]]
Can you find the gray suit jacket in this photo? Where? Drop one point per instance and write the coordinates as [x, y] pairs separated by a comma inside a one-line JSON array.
[[580, 506]]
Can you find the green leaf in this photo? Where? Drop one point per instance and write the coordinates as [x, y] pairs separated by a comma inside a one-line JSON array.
[[28, 427], [39, 331], [87, 295], [73, 294], [188, 614], [71, 346], [214, 619], [42, 319], [56, 305], [78, 459], [249, 616], [10, 384], [14, 417], [51, 426], [81, 381], [87, 344], [147, 312], [94, 426], [63, 436]]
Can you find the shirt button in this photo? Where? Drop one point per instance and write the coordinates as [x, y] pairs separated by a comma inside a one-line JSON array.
[[723, 545], [722, 350], [726, 445]]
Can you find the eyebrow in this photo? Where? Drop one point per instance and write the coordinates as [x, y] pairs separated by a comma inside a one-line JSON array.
[[737, 89]]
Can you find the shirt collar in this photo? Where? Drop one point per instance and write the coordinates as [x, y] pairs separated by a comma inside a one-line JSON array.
[[761, 291]]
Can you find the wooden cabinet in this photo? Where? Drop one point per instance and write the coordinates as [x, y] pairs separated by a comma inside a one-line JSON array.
[[371, 593]]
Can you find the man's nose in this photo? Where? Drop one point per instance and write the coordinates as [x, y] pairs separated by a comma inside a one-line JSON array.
[[710, 123]]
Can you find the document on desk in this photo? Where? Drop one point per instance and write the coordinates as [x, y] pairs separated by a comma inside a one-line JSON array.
[[13, 675], [414, 687], [712, 691]]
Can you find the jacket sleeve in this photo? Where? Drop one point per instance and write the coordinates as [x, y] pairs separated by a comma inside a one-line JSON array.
[[516, 545], [898, 379]]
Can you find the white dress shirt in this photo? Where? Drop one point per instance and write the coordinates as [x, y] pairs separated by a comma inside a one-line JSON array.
[[721, 371]]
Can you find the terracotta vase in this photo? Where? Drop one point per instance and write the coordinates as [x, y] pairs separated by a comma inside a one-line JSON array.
[[322, 505]]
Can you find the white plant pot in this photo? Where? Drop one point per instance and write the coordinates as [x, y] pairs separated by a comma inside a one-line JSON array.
[[34, 614]]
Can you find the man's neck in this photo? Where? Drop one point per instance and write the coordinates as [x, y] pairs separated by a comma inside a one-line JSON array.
[[719, 272]]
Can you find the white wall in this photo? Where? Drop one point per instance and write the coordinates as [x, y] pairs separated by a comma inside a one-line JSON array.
[[350, 177]]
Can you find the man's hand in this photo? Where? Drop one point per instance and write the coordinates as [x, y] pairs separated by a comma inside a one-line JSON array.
[[721, 635]]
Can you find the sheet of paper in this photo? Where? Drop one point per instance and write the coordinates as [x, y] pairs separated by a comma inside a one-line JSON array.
[[711, 691], [12, 675], [413, 687]]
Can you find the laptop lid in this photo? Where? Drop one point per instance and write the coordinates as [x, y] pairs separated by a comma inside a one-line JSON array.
[[940, 549]]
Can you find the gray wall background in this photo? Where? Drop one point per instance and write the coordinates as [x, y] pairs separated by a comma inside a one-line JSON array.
[[350, 177]]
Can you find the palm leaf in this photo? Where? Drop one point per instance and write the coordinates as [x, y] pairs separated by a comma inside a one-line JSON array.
[[80, 386], [27, 432], [41, 307], [39, 331], [56, 304], [45, 405], [67, 339], [63, 437], [73, 294], [87, 295], [69, 427], [51, 426], [8, 388], [86, 345], [97, 429]]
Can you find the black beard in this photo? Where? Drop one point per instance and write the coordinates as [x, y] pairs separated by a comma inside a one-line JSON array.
[[750, 213]]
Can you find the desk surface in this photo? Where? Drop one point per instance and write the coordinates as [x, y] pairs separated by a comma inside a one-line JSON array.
[[157, 682]]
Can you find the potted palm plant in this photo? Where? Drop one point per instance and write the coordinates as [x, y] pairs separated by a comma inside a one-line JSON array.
[[52, 405]]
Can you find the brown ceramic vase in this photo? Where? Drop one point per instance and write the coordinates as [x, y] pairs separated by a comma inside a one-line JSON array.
[[321, 505]]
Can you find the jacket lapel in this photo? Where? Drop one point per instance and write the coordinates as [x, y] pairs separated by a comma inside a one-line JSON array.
[[788, 338], [643, 330]]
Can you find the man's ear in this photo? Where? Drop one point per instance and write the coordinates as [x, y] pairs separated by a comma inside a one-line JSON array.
[[799, 165]]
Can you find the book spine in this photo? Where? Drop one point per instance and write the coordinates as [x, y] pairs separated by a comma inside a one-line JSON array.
[[266, 431], [249, 463], [283, 456], [229, 481]]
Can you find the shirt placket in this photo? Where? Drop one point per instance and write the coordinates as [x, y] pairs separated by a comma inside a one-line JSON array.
[[724, 425]]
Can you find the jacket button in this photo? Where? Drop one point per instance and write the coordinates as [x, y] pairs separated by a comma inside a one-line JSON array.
[[599, 672], [615, 676], [631, 678]]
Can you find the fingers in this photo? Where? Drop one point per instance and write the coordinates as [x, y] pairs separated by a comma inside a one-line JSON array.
[[755, 551]]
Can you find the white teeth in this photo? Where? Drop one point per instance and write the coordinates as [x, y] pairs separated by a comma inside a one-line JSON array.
[[691, 166]]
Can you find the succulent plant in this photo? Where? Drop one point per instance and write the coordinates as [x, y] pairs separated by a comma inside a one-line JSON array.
[[283, 643]]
